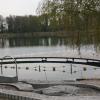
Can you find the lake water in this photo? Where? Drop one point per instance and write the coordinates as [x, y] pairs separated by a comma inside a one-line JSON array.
[[50, 47]]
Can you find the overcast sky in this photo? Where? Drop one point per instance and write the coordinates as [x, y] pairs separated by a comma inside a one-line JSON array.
[[18, 7]]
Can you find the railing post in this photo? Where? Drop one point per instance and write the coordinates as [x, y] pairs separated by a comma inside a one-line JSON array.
[[14, 61], [1, 68], [39, 69], [16, 69], [71, 69]]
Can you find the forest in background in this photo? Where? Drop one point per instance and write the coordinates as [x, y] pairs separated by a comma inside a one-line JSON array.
[[56, 16]]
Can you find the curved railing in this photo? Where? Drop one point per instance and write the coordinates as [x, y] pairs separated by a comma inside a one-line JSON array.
[[19, 60], [5, 58]]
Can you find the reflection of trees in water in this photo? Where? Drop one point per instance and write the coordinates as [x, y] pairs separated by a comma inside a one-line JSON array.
[[74, 41], [4, 43]]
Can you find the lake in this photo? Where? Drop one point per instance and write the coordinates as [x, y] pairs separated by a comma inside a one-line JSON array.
[[50, 47]]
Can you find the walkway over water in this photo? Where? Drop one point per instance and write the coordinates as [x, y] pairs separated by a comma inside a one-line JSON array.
[[71, 60]]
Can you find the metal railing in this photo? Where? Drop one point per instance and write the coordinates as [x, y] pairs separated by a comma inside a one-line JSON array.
[[19, 60], [14, 61]]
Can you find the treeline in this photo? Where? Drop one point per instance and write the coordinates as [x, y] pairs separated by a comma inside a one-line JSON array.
[[20, 24], [57, 15], [70, 15], [23, 24]]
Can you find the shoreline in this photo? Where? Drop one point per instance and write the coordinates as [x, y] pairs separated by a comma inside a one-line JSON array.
[[45, 34]]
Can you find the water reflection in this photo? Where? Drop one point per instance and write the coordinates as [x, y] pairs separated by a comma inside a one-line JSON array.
[[17, 42], [49, 41], [78, 43]]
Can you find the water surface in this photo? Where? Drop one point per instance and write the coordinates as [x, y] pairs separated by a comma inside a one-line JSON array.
[[50, 47]]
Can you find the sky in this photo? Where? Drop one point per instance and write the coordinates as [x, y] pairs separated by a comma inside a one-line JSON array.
[[18, 7]]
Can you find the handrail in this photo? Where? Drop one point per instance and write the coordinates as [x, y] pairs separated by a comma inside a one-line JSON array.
[[9, 57], [52, 58], [86, 61]]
